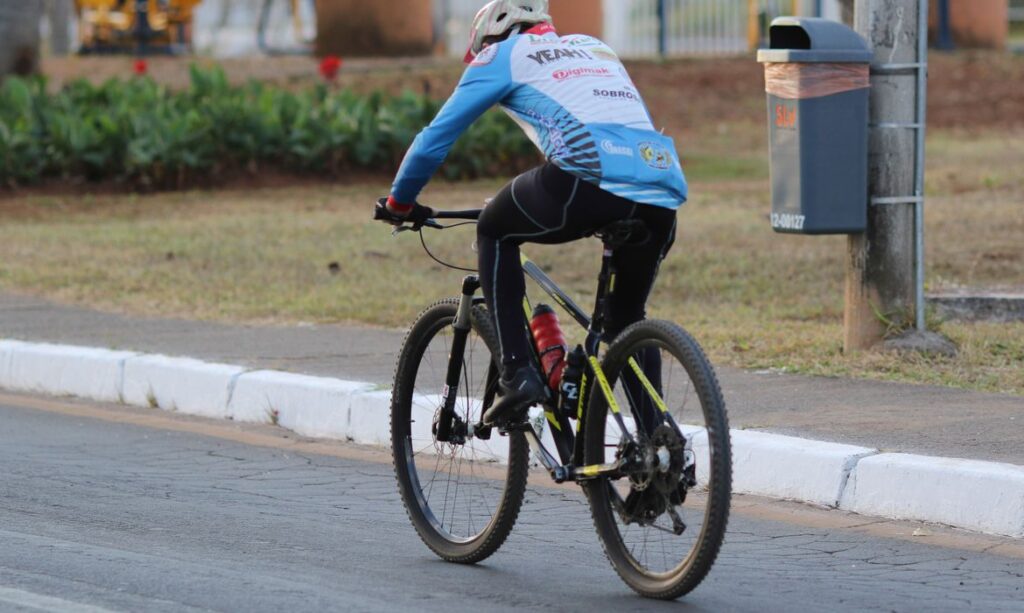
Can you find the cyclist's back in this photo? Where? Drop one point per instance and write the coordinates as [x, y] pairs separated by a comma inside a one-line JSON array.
[[575, 100], [605, 162]]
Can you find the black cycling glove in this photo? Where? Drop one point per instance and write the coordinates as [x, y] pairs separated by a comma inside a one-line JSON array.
[[417, 215]]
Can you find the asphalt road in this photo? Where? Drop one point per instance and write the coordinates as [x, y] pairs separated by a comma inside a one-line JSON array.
[[112, 509]]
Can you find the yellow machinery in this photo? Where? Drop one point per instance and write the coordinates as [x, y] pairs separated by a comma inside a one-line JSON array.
[[160, 26], [135, 26]]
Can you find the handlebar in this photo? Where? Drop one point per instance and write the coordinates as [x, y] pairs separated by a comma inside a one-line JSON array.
[[473, 214], [381, 213]]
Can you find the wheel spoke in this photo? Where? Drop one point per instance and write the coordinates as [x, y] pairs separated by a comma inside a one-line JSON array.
[[642, 516], [453, 495]]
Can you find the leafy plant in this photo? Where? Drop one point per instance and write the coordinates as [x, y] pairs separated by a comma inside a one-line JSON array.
[[142, 133]]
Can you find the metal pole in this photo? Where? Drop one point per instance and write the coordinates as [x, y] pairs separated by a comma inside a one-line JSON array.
[[945, 37], [922, 110], [662, 29], [142, 27]]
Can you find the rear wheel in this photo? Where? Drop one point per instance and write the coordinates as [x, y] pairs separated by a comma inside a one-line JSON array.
[[462, 497], [662, 526]]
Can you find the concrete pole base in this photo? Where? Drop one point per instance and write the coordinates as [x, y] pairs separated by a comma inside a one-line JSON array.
[[927, 343]]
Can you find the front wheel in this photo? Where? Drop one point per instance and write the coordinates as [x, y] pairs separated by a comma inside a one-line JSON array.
[[661, 526], [463, 497]]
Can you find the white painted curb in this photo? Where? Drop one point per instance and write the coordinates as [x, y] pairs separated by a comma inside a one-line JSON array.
[[7, 349], [983, 496], [63, 370], [311, 406], [179, 384], [792, 468]]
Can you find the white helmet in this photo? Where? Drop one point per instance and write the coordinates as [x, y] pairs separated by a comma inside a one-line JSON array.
[[496, 17]]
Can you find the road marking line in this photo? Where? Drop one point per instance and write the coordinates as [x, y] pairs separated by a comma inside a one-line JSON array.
[[21, 598]]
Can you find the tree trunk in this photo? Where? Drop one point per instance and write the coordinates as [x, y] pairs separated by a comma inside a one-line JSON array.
[[19, 36]]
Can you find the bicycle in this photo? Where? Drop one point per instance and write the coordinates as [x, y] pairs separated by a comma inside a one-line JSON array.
[[637, 468]]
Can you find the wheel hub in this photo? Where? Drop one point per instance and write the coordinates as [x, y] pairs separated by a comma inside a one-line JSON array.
[[670, 459], [662, 481], [458, 434]]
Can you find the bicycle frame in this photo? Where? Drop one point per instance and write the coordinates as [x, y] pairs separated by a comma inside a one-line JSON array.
[[569, 465]]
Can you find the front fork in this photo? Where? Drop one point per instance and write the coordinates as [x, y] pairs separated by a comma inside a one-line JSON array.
[[462, 326]]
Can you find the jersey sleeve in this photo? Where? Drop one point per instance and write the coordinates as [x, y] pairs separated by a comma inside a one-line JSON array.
[[486, 81]]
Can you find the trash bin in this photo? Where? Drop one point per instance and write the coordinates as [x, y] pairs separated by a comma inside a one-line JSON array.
[[817, 80]]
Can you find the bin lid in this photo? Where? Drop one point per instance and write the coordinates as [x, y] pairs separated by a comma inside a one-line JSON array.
[[812, 39]]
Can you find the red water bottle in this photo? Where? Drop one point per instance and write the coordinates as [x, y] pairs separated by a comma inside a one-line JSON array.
[[550, 343]]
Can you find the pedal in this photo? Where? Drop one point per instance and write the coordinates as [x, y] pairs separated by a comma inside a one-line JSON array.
[[482, 431]]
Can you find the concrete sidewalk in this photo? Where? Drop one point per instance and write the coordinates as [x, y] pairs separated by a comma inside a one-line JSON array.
[[900, 451], [893, 417]]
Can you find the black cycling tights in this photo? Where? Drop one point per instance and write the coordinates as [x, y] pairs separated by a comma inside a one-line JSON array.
[[548, 205]]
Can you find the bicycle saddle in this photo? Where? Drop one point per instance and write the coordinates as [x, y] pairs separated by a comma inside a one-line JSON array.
[[624, 232]]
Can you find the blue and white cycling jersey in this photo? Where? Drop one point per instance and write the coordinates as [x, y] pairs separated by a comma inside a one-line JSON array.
[[573, 98]]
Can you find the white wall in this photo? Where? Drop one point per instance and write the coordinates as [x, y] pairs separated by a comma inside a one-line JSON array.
[[830, 10], [227, 28]]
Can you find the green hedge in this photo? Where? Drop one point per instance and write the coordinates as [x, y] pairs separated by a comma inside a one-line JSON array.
[[143, 133]]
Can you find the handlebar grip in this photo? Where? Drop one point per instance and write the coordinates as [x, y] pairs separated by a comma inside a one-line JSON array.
[[381, 213]]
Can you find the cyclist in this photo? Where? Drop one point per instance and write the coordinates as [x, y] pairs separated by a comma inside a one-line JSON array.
[[605, 163]]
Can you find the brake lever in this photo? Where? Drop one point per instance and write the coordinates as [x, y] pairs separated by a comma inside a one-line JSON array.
[[430, 223]]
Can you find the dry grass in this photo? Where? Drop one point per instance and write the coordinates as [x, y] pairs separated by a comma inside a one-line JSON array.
[[755, 298]]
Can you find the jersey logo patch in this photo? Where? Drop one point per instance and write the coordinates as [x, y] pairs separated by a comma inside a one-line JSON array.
[[554, 55], [572, 73], [486, 56], [616, 94], [655, 156], [613, 149]]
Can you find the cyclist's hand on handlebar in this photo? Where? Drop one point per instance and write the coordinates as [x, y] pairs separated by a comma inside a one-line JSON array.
[[389, 211]]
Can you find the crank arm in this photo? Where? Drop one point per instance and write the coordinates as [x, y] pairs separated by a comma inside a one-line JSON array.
[[558, 472]]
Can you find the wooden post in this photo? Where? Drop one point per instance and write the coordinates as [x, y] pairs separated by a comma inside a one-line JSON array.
[[880, 273], [753, 24]]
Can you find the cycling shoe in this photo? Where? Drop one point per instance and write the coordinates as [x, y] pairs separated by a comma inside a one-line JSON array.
[[524, 390]]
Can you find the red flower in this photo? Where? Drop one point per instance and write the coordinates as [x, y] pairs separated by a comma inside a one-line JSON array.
[[329, 67], [140, 67]]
